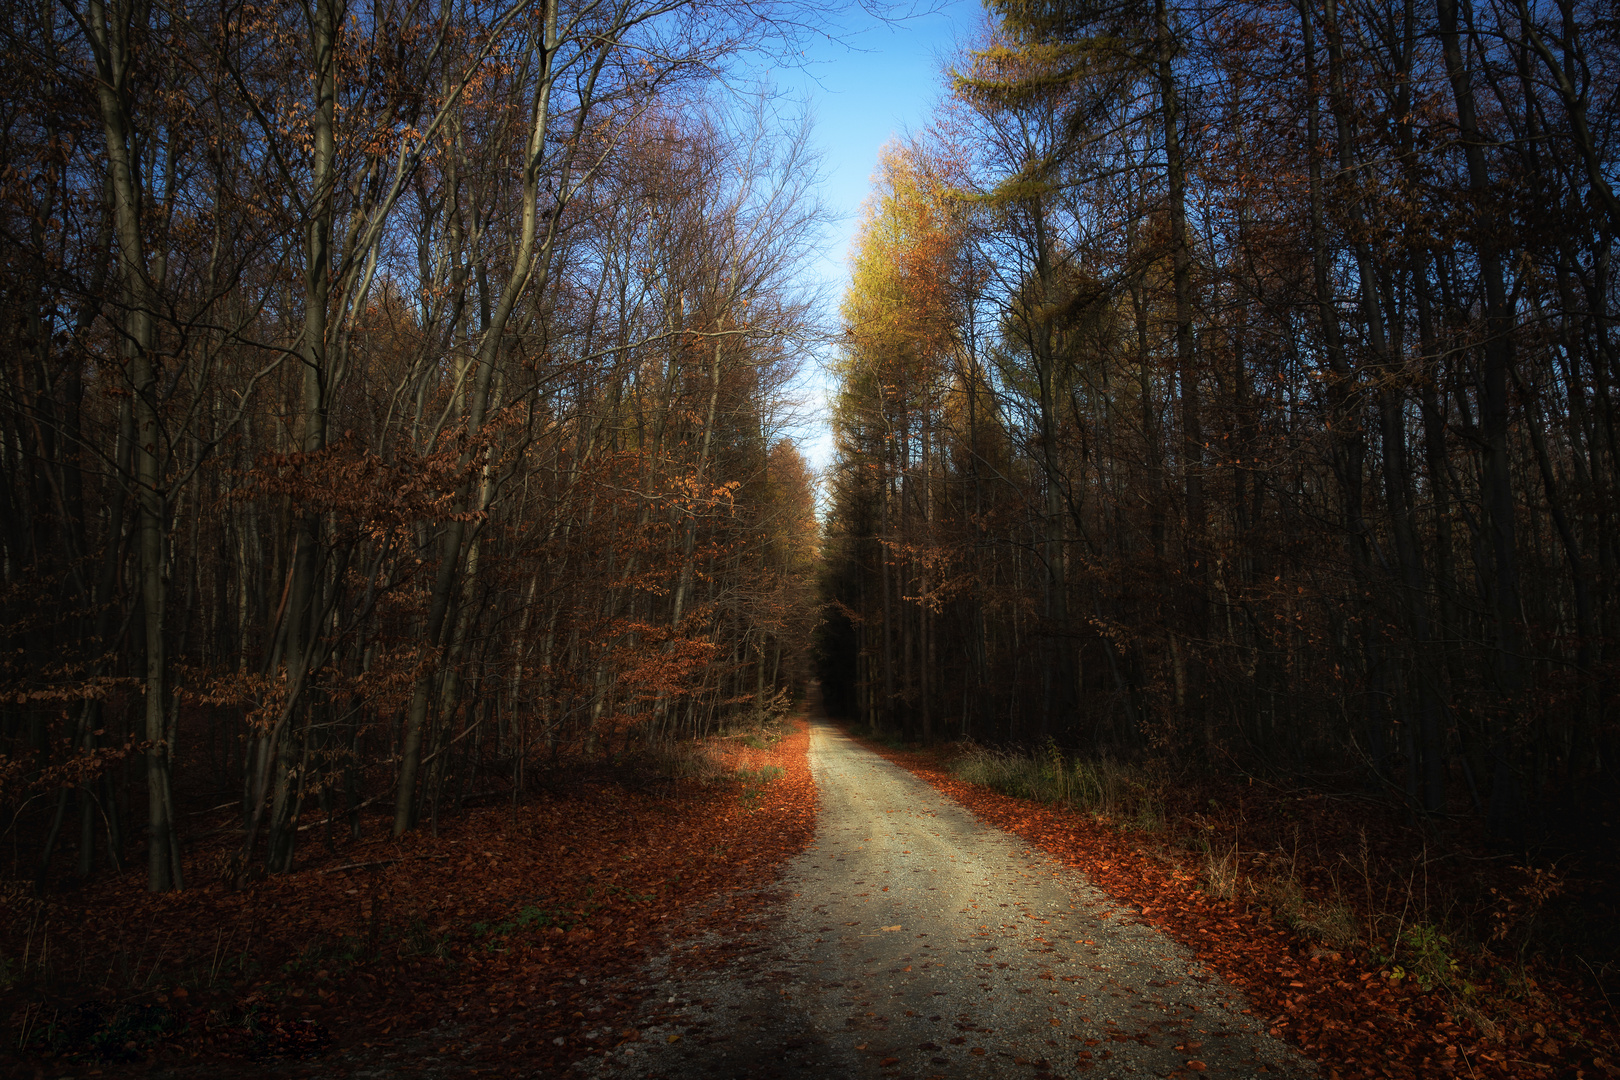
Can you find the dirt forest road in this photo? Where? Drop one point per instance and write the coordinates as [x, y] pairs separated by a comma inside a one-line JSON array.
[[917, 942]]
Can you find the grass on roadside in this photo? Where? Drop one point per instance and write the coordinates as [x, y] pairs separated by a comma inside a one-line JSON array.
[[1102, 786], [1465, 939], [885, 738], [1354, 901]]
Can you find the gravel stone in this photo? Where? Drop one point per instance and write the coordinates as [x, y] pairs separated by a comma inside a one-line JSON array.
[[917, 942]]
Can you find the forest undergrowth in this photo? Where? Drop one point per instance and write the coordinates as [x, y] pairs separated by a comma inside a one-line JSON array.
[[511, 941], [1377, 947]]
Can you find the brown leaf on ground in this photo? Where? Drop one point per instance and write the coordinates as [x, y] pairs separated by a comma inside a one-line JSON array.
[[515, 935]]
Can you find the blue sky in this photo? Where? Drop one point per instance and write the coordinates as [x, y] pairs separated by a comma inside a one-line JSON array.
[[881, 81]]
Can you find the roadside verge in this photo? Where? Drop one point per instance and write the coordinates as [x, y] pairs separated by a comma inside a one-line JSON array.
[[511, 941], [1338, 1009]]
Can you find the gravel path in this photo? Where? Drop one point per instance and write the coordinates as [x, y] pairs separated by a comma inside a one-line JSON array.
[[917, 942]]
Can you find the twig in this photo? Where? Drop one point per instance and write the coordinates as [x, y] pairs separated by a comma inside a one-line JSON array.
[[1598, 979]]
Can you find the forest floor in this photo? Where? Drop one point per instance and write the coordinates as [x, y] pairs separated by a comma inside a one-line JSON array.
[[542, 938], [509, 944]]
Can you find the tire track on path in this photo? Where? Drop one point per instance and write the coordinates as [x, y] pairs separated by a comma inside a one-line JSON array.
[[918, 942]]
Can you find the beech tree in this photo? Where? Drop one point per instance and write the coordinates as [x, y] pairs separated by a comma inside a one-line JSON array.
[[397, 406]]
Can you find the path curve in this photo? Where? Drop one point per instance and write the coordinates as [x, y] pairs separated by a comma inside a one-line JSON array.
[[918, 942]]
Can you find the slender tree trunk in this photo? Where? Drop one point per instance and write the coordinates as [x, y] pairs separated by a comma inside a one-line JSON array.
[[1496, 482], [489, 354], [1191, 453], [113, 53]]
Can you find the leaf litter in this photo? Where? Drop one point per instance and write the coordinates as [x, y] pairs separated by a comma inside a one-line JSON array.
[[511, 941]]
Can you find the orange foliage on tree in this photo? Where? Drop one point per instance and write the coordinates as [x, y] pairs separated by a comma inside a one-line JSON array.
[[397, 406]]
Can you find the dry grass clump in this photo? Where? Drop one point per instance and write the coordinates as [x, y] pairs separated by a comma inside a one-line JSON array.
[[685, 759], [1103, 786]]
